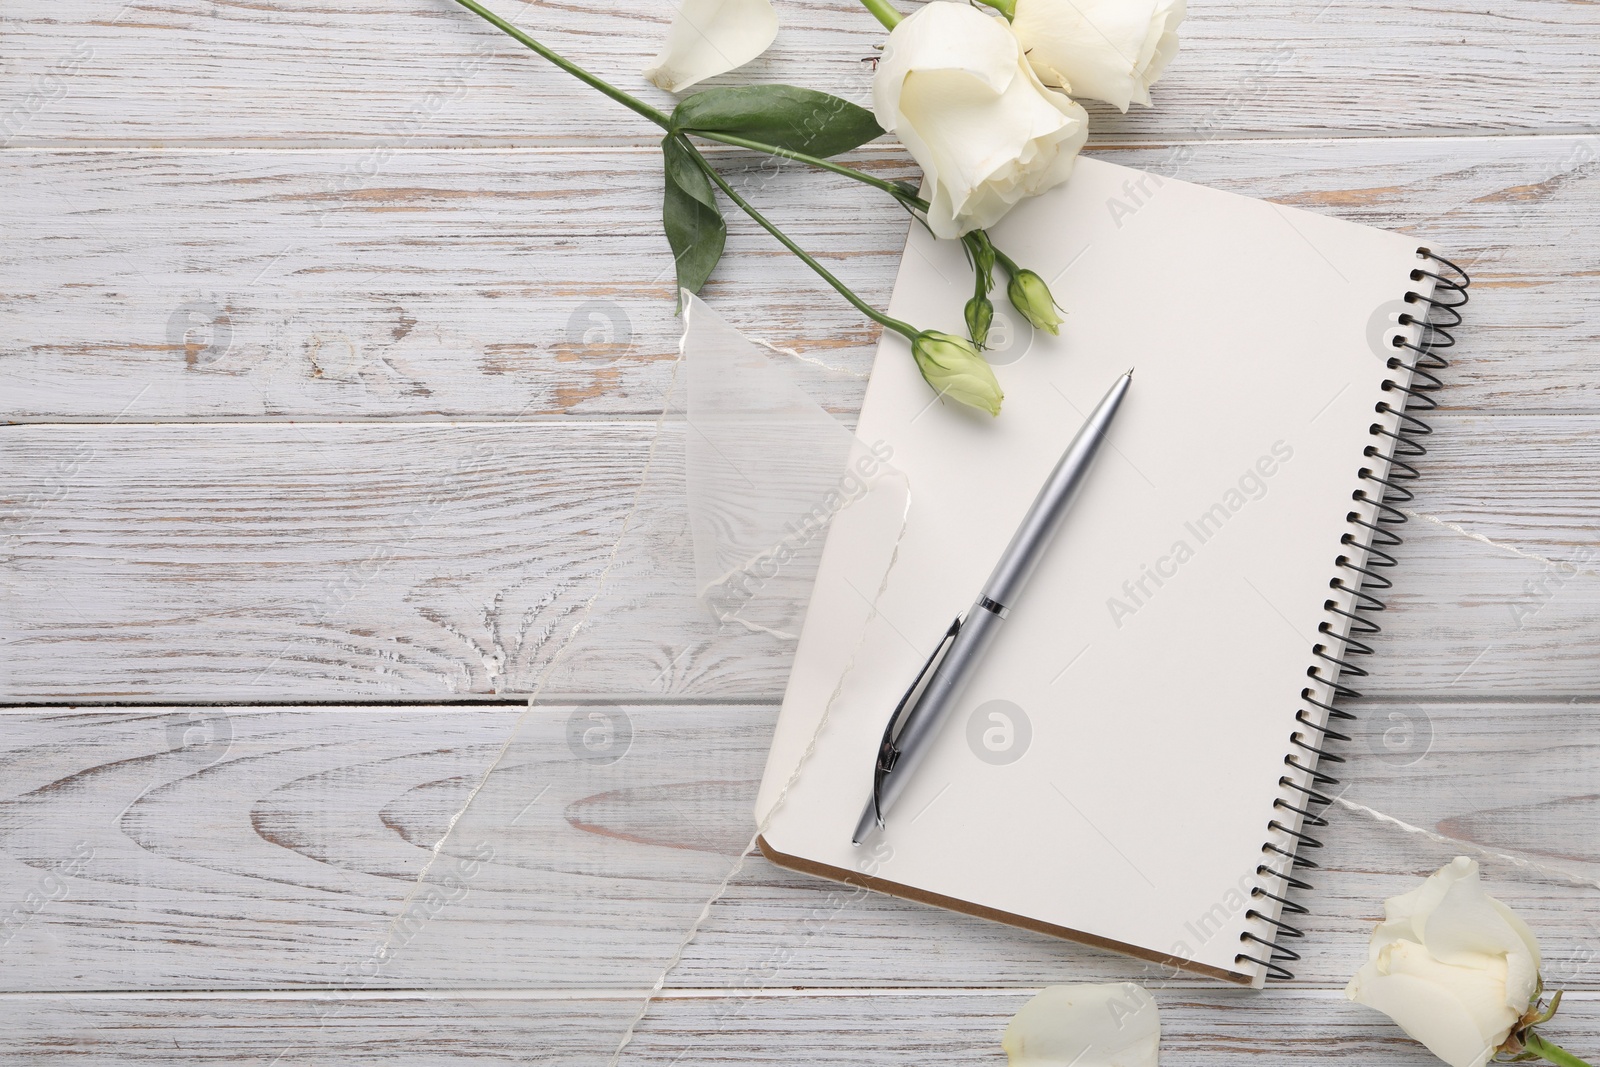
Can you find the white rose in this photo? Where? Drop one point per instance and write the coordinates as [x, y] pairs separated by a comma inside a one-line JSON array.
[[1111, 50], [954, 86], [711, 37], [1451, 965]]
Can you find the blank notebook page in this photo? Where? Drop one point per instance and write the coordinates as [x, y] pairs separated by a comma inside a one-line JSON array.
[[1158, 656]]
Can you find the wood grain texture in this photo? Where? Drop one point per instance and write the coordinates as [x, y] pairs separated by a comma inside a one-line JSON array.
[[264, 849], [136, 72], [314, 559], [327, 562], [334, 814], [306, 216], [490, 284], [290, 284], [1216, 1028]]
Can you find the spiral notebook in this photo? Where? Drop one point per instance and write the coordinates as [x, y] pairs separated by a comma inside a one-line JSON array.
[[1136, 763]]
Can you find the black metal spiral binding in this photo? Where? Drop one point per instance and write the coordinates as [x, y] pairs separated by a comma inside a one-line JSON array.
[[1374, 536]]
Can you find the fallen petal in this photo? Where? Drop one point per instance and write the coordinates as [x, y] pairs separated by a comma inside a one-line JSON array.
[[1114, 1025], [711, 37]]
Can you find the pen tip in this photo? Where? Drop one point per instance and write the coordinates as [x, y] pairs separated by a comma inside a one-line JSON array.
[[1129, 374]]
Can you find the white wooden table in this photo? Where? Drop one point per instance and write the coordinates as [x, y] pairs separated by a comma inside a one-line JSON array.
[[332, 341]]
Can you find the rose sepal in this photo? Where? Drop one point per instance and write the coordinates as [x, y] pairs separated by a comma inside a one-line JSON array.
[[1523, 1043]]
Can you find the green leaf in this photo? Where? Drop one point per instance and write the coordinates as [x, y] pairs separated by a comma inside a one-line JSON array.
[[690, 215], [784, 116]]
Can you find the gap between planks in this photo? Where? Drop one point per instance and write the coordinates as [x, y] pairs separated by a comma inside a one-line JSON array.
[[1303, 991], [361, 144], [135, 708], [596, 419]]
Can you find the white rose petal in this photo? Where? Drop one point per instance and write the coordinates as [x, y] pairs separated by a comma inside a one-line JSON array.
[[711, 37], [1426, 1011], [1116, 1025], [1111, 50], [955, 88], [1451, 965], [1520, 928]]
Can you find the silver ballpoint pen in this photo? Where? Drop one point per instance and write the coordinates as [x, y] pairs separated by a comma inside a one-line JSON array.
[[970, 635]]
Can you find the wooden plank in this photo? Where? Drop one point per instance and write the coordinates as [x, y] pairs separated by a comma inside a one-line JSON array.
[[1501, 776], [204, 848], [564, 1032], [263, 848], [1198, 1026], [338, 562], [134, 72], [276, 284], [481, 283], [447, 561], [1216, 1028]]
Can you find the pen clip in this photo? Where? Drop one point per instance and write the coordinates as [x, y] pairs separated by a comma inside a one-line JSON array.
[[888, 754]]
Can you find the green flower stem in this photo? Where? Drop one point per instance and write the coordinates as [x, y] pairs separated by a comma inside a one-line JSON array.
[[913, 200], [662, 119], [904, 329], [1550, 1051], [627, 100], [883, 12], [1008, 8], [811, 161], [977, 244], [894, 189]]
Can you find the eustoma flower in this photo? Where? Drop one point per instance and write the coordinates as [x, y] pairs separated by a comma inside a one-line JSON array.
[[1458, 971], [1029, 295], [953, 366], [1111, 50], [966, 101], [954, 85]]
